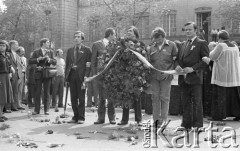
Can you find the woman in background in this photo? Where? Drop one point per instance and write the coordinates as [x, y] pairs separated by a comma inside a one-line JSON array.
[[6, 95]]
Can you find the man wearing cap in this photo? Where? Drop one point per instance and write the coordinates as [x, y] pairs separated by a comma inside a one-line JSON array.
[[78, 62]]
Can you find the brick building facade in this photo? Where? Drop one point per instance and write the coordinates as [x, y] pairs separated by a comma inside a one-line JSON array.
[[94, 16]]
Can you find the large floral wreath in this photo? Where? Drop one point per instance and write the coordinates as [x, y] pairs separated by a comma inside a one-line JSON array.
[[127, 76]]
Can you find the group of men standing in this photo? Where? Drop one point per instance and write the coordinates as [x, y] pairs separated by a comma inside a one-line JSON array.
[[80, 60], [17, 79], [164, 55]]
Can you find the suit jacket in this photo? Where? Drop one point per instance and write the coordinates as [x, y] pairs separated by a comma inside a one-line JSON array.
[[83, 56], [16, 64], [41, 63], [192, 57], [98, 52]]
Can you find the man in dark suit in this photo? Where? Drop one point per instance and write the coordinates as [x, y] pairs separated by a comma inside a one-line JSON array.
[[78, 62], [190, 62], [16, 63], [43, 58], [99, 52]]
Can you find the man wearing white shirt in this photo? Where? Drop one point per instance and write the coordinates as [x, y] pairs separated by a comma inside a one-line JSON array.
[[99, 52], [58, 81], [22, 79], [43, 58], [16, 63]]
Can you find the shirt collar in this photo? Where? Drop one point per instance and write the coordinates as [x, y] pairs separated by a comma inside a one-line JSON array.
[[193, 38], [165, 42], [105, 41]]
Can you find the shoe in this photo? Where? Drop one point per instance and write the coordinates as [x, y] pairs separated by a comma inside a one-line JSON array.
[[21, 108], [5, 118], [1, 119], [122, 123], [139, 123], [99, 122], [60, 106], [7, 111], [14, 109], [72, 121], [80, 122], [56, 110], [46, 113], [236, 118], [35, 113], [112, 122]]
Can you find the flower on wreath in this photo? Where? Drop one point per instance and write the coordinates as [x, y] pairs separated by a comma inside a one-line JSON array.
[[127, 77]]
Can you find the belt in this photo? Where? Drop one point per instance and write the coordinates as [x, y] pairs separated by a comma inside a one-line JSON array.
[[60, 76], [74, 67]]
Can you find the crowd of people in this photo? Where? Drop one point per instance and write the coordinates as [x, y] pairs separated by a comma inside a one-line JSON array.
[[47, 71]]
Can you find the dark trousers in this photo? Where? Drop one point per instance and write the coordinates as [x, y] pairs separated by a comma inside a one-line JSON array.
[[45, 83], [13, 105], [77, 96], [101, 104], [137, 110], [92, 91], [31, 94], [57, 90], [192, 105]]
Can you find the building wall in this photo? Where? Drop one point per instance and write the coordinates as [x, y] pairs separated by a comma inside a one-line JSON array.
[[76, 14]]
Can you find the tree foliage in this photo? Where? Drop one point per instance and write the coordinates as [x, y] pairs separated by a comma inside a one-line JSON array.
[[229, 12], [22, 20]]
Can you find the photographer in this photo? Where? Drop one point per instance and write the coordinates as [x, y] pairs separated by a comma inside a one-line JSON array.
[[43, 58]]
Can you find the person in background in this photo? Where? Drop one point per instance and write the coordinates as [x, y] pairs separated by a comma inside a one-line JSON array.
[[16, 63], [225, 78], [58, 81], [5, 85], [42, 57], [92, 93], [22, 80], [214, 33], [31, 83]]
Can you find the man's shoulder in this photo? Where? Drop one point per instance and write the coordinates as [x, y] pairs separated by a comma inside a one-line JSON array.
[[86, 48], [170, 42], [97, 42]]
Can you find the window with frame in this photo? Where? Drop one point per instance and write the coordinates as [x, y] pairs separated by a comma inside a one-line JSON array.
[[169, 22]]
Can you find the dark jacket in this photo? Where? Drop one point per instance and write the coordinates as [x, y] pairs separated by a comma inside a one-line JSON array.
[[42, 63], [16, 64], [83, 56], [192, 57]]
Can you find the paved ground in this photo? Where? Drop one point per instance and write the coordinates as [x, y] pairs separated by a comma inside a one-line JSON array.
[[93, 137], [30, 129]]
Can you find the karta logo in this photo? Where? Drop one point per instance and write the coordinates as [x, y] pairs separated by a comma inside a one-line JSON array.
[[152, 132]]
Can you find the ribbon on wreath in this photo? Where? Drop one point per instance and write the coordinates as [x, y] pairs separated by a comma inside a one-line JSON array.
[[140, 57]]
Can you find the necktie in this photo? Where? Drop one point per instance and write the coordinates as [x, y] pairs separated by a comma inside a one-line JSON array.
[[75, 54], [188, 44]]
